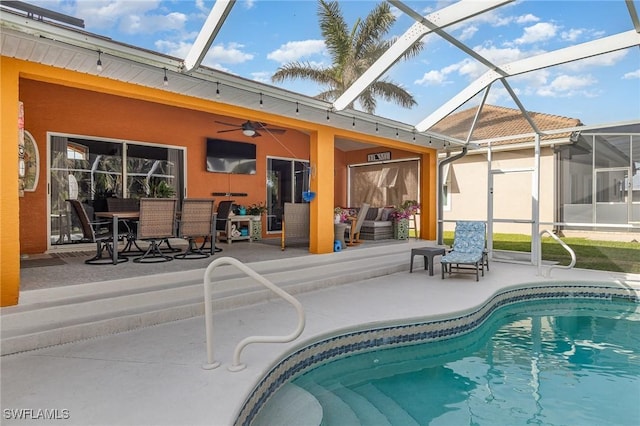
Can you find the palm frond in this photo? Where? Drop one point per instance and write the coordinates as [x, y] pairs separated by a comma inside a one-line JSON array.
[[298, 70], [392, 92], [334, 30], [376, 25]]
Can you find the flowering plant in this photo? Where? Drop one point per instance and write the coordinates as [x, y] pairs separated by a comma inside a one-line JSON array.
[[256, 209], [405, 210], [342, 213]]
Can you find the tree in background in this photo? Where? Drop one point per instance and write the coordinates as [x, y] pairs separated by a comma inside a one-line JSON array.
[[352, 53]]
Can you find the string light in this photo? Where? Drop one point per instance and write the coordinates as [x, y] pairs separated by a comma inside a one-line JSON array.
[[166, 79], [397, 134], [99, 63], [353, 124], [217, 90], [297, 109], [328, 115], [414, 136], [376, 127], [261, 104]]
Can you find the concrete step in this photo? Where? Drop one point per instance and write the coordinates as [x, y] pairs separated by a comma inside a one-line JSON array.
[[65, 314]]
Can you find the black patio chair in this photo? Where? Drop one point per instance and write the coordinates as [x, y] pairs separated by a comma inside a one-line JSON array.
[[98, 232]]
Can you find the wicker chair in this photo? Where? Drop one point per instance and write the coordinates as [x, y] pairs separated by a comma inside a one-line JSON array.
[[196, 220], [96, 232], [295, 223], [156, 224]]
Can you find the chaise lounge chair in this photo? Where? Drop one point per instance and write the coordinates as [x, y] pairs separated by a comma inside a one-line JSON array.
[[468, 251]]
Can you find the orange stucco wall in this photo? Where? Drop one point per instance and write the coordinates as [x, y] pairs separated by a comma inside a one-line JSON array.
[[54, 108]]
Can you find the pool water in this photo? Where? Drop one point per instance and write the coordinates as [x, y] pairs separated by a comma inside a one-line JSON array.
[[542, 363]]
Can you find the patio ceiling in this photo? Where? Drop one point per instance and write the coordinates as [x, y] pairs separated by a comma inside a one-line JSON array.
[[71, 48]]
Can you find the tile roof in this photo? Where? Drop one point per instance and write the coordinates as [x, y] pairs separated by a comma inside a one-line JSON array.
[[497, 122]]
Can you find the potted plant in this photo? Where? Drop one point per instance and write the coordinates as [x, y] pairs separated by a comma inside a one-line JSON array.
[[400, 217]]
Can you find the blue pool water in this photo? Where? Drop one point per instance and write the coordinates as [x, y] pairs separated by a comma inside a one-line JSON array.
[[541, 363]]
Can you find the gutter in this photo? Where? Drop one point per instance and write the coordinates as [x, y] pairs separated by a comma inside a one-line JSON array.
[[440, 186]]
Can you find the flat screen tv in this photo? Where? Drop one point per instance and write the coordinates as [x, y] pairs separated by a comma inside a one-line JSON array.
[[231, 157]]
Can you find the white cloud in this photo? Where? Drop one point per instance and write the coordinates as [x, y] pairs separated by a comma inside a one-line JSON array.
[[295, 50], [539, 32], [230, 54], [572, 35], [262, 76], [525, 19], [632, 74], [432, 78], [568, 85], [148, 24], [468, 32], [110, 13]]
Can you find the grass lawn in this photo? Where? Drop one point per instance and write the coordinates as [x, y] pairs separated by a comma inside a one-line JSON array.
[[590, 254]]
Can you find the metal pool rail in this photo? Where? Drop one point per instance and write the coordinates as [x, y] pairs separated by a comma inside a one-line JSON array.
[[208, 313], [563, 244]]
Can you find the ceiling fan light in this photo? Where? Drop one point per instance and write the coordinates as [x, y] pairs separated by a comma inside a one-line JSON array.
[[248, 132]]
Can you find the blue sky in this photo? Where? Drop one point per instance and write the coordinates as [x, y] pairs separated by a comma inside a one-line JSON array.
[[259, 36]]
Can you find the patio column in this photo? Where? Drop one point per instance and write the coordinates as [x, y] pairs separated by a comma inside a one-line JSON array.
[[428, 192], [321, 157], [9, 200]]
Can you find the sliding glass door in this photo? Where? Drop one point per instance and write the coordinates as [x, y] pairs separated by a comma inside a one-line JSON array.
[[285, 183], [92, 170]]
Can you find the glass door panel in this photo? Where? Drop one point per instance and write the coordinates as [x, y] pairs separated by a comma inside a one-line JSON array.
[[612, 202], [285, 184]]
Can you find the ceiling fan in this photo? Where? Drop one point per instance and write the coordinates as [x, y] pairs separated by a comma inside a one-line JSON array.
[[250, 128]]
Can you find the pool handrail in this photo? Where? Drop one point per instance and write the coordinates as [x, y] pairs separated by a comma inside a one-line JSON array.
[[563, 244], [208, 313]]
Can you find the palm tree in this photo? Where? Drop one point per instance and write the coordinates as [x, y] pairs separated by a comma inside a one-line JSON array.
[[352, 53]]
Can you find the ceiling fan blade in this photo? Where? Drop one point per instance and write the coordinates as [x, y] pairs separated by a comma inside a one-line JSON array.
[[230, 130], [228, 124], [256, 134]]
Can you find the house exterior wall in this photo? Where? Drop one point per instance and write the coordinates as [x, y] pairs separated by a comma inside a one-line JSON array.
[[62, 101], [511, 190]]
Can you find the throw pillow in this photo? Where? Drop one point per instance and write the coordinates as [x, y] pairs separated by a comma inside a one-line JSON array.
[[372, 213]]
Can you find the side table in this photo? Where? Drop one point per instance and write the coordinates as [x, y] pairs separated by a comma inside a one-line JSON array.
[[428, 253]]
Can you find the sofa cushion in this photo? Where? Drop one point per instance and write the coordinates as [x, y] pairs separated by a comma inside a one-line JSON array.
[[371, 213], [385, 213], [376, 223]]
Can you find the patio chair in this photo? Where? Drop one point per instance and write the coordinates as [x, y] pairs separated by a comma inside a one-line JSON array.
[[156, 224], [98, 232], [468, 251], [196, 220], [222, 219], [295, 223], [356, 225]]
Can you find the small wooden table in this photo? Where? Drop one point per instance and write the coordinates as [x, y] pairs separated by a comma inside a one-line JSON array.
[[428, 253]]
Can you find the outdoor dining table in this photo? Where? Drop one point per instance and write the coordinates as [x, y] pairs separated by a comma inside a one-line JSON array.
[[115, 217]]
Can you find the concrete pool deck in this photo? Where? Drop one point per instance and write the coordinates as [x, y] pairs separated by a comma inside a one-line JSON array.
[[154, 375]]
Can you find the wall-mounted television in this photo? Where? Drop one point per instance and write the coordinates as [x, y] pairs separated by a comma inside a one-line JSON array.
[[225, 156]]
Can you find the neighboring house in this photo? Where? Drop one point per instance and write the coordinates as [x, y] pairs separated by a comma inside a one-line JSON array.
[[588, 176]]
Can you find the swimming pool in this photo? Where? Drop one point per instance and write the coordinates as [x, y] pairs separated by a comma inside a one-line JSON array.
[[514, 360]]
